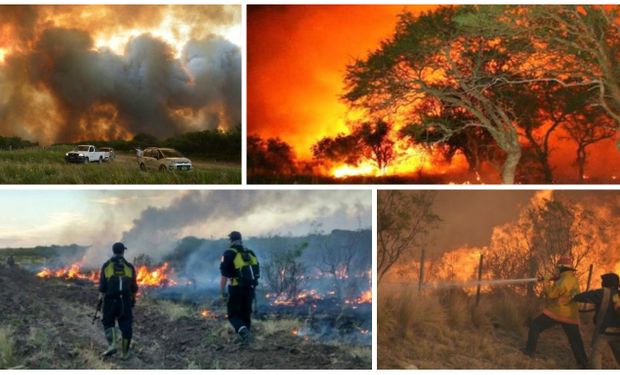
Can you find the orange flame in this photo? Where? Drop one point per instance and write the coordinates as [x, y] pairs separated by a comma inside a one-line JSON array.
[[156, 277], [71, 272], [365, 297]]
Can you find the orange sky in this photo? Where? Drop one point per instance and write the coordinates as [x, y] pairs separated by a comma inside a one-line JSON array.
[[297, 56]]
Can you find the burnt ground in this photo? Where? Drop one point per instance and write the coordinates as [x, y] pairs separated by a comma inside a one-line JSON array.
[[46, 323]]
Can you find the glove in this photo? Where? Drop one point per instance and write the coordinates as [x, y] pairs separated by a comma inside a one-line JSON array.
[[544, 278]]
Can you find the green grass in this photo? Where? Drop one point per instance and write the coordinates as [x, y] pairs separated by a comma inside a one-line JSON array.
[[47, 166], [7, 358]]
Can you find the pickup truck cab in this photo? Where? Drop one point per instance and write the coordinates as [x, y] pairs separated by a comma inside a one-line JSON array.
[[85, 154], [163, 159]]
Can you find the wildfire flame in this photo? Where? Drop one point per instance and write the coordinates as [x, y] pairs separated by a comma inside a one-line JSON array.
[[71, 272], [155, 277], [365, 297], [208, 314]]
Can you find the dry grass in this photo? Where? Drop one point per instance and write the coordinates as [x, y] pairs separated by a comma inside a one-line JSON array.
[[172, 310], [270, 327], [445, 329]]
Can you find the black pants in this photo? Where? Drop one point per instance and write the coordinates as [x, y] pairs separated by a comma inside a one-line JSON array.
[[543, 322], [118, 309], [240, 306]]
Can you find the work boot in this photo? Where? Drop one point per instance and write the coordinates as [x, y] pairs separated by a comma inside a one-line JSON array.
[[110, 335], [245, 335], [126, 352]]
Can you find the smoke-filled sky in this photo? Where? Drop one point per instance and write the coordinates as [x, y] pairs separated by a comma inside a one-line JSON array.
[[70, 73], [152, 221], [468, 217], [295, 78]]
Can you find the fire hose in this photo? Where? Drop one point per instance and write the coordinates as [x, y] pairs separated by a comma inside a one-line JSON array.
[[473, 283]]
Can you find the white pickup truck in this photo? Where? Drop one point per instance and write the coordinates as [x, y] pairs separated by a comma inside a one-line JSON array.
[[86, 154]]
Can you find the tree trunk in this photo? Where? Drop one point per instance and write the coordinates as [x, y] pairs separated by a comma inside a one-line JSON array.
[[581, 162], [509, 168]]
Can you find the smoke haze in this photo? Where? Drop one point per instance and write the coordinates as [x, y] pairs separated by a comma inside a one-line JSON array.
[[70, 73]]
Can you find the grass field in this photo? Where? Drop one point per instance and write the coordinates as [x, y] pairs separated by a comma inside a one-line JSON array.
[[47, 166]]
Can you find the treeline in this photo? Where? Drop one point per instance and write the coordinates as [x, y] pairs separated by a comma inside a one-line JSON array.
[[342, 257], [52, 255], [14, 143], [221, 145]]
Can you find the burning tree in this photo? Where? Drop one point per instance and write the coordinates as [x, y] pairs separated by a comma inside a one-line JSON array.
[[369, 141], [404, 219], [545, 231], [270, 157], [475, 143], [434, 58], [337, 256], [284, 272], [583, 44]]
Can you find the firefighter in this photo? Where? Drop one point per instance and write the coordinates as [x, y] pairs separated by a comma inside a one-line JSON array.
[[118, 287], [560, 309], [606, 318], [240, 272]]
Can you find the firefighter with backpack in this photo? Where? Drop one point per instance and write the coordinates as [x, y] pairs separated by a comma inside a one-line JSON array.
[[240, 273], [118, 287], [606, 318]]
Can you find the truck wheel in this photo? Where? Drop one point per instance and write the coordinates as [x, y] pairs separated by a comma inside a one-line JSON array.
[[100, 160], [143, 167], [86, 161]]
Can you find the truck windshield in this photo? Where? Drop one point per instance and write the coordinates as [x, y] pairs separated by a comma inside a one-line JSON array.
[[170, 153], [82, 148]]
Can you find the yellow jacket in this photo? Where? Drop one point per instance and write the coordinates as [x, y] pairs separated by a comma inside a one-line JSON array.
[[560, 304]]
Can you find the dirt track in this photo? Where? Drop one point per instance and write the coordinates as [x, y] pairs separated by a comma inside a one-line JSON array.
[[50, 322]]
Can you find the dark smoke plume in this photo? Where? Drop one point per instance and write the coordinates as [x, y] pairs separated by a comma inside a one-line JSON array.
[[57, 86]]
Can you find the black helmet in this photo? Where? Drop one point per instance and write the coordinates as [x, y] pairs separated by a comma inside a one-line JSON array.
[[234, 236], [610, 280], [118, 248]]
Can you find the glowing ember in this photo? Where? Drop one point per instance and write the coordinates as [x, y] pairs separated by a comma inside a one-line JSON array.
[[366, 297], [208, 314]]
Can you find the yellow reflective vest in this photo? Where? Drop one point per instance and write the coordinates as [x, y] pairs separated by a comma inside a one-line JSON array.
[[560, 305]]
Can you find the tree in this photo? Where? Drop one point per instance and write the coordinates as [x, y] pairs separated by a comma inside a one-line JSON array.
[[270, 157], [367, 141], [284, 272], [474, 143], [434, 58], [582, 45], [337, 254], [404, 219], [341, 148], [586, 124], [376, 143], [546, 230]]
